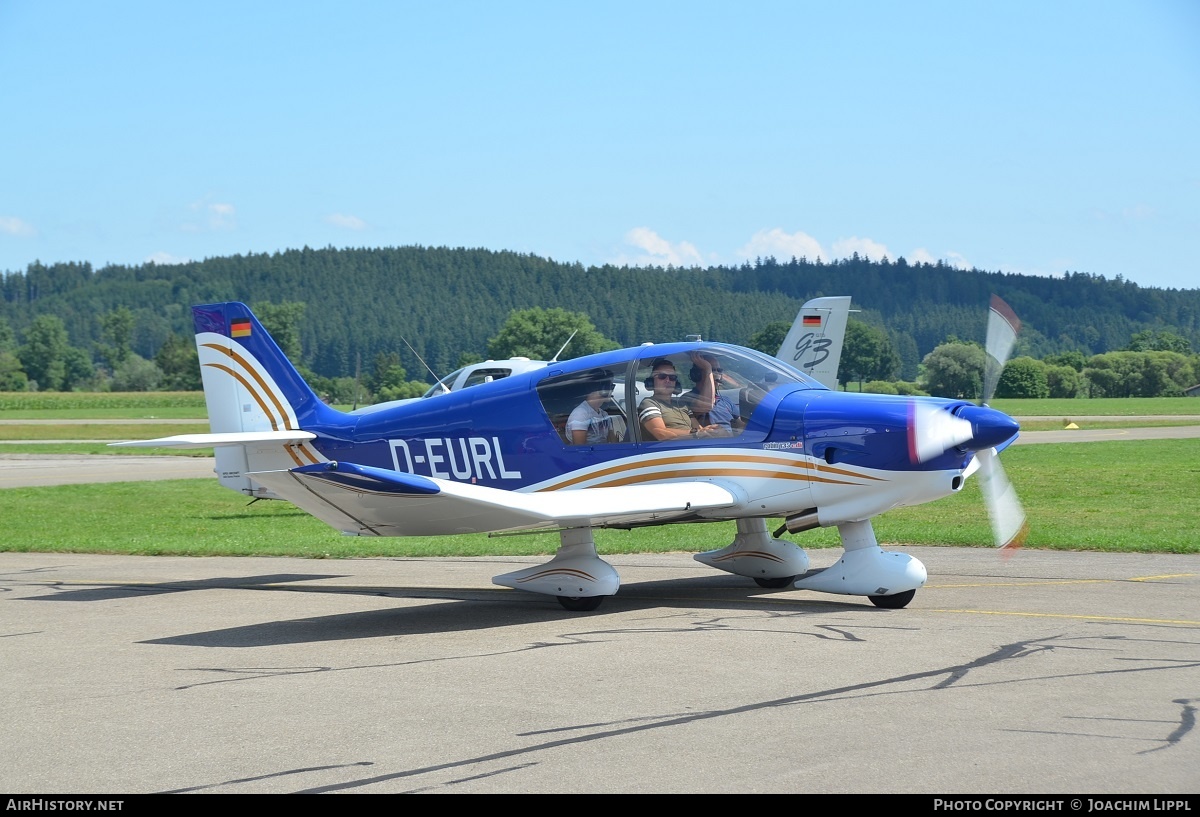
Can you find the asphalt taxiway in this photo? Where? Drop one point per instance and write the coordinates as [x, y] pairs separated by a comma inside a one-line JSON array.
[[1034, 672]]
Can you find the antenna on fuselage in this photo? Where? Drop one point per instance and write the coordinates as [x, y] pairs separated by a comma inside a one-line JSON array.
[[564, 346], [436, 379]]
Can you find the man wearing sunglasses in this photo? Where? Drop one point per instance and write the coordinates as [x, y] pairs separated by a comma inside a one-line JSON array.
[[661, 415]]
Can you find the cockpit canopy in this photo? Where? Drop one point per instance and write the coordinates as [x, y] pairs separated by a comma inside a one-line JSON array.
[[618, 387]]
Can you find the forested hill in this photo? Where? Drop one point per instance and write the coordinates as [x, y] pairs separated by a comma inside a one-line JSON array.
[[448, 301]]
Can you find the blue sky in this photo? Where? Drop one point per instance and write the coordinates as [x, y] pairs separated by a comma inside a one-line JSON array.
[[1028, 137]]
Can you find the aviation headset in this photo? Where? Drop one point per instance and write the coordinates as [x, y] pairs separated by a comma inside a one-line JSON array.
[[649, 381], [696, 373]]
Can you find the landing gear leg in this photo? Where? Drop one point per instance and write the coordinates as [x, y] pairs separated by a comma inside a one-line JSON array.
[[888, 579], [754, 553], [576, 576]]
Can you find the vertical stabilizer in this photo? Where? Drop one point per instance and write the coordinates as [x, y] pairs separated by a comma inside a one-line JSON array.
[[814, 343], [250, 386]]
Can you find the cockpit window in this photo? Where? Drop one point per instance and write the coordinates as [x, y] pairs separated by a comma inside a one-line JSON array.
[[486, 376], [481, 375], [582, 407], [719, 388], [444, 385]]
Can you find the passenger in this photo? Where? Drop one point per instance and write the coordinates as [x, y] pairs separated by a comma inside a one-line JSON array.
[[752, 395], [713, 411], [661, 415], [589, 424]]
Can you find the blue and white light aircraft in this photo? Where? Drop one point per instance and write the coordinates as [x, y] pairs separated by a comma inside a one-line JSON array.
[[497, 457]]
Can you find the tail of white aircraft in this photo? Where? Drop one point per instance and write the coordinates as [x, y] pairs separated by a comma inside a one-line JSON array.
[[814, 343], [257, 401]]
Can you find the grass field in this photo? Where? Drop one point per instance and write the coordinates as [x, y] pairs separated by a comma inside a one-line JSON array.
[[1137, 496], [1115, 496]]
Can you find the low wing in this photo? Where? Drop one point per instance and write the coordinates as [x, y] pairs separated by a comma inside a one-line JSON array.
[[370, 501]]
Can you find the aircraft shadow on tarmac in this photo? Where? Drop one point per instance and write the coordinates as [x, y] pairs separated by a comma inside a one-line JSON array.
[[440, 610]]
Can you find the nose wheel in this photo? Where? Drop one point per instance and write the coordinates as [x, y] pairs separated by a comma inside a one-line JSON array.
[[580, 604], [774, 584], [894, 601]]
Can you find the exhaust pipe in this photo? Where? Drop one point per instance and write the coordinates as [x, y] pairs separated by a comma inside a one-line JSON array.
[[798, 522]]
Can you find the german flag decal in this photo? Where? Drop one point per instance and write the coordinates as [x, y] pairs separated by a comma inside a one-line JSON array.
[[239, 328], [812, 320]]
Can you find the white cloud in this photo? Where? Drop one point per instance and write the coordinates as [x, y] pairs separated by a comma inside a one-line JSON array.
[[347, 221], [956, 260], [165, 259], [865, 247], [782, 246], [774, 243], [211, 216], [1139, 212], [11, 225], [924, 256], [658, 252]]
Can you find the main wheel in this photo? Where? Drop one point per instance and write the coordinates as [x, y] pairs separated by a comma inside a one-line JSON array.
[[580, 604], [772, 584], [894, 601]]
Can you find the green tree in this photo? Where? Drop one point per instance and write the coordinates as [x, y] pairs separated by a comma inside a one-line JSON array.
[[1139, 374], [179, 364], [954, 370], [44, 353], [403, 391], [770, 337], [136, 374], [539, 334], [1023, 377], [1065, 381], [8, 340], [466, 359], [77, 368], [1159, 340], [387, 372], [116, 337], [12, 376], [388, 380], [1075, 359], [867, 354], [282, 321]]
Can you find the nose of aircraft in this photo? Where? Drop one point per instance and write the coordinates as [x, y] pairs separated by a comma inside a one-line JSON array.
[[989, 427]]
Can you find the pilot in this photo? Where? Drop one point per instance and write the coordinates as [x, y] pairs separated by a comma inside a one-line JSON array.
[[589, 424], [661, 415], [713, 411]]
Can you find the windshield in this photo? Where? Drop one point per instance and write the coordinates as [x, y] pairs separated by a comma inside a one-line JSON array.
[[443, 385]]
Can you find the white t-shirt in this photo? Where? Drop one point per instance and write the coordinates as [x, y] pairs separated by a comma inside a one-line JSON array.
[[595, 422]]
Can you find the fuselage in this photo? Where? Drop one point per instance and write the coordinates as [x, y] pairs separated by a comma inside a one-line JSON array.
[[796, 446]]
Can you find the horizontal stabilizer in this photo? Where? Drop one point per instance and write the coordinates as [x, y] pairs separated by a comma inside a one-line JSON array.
[[226, 438]]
